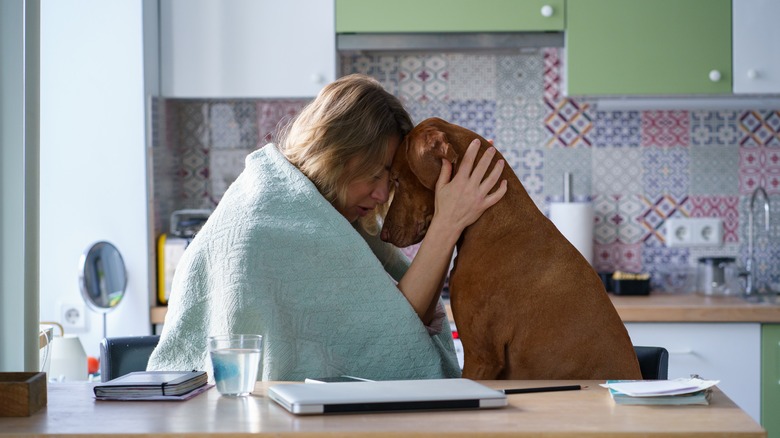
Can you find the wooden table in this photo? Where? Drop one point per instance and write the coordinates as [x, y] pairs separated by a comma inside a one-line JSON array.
[[590, 412]]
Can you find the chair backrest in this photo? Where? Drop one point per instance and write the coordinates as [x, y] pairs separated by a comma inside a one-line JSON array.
[[653, 361], [122, 355]]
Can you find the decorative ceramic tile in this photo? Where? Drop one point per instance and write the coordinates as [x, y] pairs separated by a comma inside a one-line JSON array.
[[476, 115], [520, 122], [760, 233], [164, 164], [665, 171], [534, 185], [224, 166], [193, 136], [382, 67], [617, 128], [233, 124], [724, 207], [617, 219], [714, 169], [611, 257], [527, 164], [656, 211], [666, 128], [766, 244], [421, 110], [520, 75], [759, 166], [472, 77], [657, 258], [759, 128], [569, 123], [559, 161], [692, 163], [273, 115], [552, 74], [423, 78], [616, 170], [714, 128]]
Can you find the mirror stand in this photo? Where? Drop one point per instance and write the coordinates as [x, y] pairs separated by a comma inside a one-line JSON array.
[[103, 278]]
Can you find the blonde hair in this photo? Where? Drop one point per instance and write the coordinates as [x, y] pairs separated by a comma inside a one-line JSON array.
[[351, 117]]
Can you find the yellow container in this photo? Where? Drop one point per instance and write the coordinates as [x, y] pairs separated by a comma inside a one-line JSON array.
[[169, 252]]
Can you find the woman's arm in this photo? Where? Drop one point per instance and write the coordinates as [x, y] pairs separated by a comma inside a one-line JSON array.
[[460, 201]]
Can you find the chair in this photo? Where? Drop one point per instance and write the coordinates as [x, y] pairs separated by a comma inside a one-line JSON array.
[[653, 361], [122, 355]]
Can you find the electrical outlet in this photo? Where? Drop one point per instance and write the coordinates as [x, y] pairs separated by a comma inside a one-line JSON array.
[[73, 317], [694, 231]]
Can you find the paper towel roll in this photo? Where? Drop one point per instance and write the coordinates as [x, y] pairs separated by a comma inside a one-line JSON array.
[[575, 221]]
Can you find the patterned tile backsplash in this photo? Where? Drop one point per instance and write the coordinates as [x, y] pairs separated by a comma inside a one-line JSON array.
[[639, 168]]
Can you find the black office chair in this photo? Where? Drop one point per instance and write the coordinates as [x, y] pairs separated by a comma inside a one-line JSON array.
[[653, 361], [122, 355]]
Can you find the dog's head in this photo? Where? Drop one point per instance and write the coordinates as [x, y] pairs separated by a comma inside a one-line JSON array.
[[415, 170]]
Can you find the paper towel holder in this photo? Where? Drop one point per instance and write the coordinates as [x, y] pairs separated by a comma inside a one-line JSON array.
[[567, 181]]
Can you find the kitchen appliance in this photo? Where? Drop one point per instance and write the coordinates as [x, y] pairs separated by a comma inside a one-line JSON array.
[[718, 276], [170, 246]]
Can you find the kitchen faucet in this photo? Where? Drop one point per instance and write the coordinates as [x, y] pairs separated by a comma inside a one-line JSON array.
[[750, 287]]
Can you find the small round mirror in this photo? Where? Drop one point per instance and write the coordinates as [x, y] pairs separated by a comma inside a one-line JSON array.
[[102, 277]]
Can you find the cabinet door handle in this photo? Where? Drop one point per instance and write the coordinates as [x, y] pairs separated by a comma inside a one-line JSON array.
[[715, 75], [547, 11], [752, 74]]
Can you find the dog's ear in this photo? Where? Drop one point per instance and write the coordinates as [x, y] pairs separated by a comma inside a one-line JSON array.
[[425, 153]]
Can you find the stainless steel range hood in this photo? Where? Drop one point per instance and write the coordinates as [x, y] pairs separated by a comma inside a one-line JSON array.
[[404, 42]]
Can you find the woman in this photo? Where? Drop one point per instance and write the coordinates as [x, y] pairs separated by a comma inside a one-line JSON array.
[[292, 253]]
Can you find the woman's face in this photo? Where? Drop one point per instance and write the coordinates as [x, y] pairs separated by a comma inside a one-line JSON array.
[[364, 194]]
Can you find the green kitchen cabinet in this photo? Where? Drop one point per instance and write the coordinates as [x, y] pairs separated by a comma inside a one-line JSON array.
[[651, 48], [428, 16], [770, 379]]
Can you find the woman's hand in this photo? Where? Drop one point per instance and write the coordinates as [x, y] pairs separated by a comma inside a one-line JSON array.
[[460, 201]]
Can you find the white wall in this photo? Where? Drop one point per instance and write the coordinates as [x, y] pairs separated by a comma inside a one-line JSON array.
[[93, 160]]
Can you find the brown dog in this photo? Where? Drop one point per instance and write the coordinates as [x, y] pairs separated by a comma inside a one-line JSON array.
[[526, 303]]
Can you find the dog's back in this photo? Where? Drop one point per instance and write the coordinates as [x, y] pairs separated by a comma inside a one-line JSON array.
[[526, 303]]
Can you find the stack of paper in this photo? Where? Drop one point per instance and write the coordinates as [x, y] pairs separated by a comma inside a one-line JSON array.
[[691, 391]]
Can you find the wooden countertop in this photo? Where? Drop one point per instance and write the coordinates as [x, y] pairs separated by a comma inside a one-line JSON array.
[[72, 410], [693, 308], [660, 307]]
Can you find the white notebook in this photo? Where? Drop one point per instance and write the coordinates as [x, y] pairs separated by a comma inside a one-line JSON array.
[[385, 396]]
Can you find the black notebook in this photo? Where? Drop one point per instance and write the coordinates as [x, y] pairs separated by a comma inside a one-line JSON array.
[[143, 384]]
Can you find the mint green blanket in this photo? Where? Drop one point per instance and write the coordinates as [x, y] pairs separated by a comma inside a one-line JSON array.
[[277, 259]]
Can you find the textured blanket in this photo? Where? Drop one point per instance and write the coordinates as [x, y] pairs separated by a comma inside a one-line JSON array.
[[275, 258]]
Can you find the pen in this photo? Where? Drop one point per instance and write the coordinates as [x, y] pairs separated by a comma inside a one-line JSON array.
[[541, 389]]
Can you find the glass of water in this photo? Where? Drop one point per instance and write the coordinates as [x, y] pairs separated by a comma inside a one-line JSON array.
[[236, 361]]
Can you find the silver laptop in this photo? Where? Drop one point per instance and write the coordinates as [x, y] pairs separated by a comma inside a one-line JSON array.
[[385, 396]]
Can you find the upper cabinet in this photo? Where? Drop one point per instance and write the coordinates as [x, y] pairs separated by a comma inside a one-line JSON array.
[[246, 48], [756, 46], [654, 48], [427, 16]]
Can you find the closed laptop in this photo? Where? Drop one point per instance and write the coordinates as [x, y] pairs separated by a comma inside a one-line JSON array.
[[385, 396]]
